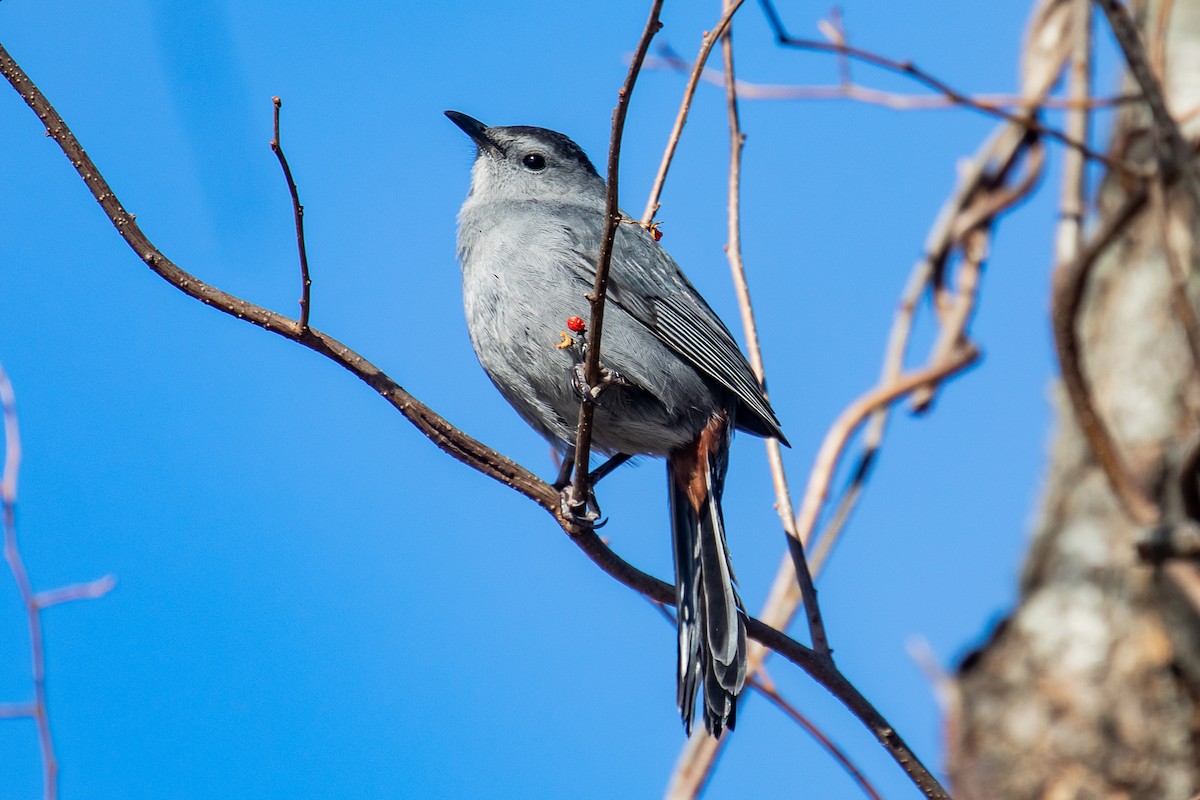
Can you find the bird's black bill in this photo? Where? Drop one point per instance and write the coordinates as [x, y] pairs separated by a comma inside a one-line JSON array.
[[473, 128]]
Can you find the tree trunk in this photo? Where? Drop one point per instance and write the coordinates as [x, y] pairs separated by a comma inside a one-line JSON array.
[[1089, 689]]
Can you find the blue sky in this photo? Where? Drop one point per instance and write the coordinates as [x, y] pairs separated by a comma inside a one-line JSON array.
[[313, 601]]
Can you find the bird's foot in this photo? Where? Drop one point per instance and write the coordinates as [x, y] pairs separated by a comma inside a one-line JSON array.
[[608, 377]]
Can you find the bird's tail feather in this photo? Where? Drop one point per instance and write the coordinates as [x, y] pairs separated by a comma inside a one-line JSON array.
[[712, 627]]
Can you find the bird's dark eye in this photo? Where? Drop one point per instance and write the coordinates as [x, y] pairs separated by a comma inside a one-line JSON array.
[[534, 162]]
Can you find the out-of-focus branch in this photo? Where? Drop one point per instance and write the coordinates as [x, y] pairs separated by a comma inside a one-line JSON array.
[[970, 234], [580, 489], [448, 438], [1073, 202], [979, 198], [706, 46], [33, 617], [954, 96], [762, 684], [668, 59], [33, 603], [854, 416], [1070, 278]]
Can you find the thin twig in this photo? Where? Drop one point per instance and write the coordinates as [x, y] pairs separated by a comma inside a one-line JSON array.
[[448, 438], [76, 591], [706, 46], [298, 212], [612, 219], [1070, 278], [16, 710], [759, 683], [737, 140]]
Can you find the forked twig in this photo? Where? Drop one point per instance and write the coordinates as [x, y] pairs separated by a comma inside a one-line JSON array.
[[36, 709]]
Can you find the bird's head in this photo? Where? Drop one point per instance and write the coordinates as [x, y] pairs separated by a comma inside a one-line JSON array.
[[525, 163]]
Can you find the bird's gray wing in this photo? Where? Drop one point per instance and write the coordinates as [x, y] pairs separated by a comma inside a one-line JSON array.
[[647, 283]]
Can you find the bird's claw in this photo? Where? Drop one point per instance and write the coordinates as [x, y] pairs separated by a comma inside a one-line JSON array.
[[587, 512], [584, 512]]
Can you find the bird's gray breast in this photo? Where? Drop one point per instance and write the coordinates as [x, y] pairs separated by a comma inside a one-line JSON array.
[[521, 283]]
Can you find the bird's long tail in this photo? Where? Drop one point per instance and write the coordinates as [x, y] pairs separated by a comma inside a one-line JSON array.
[[712, 626]]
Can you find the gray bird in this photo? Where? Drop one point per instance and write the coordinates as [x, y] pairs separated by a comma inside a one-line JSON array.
[[676, 383]]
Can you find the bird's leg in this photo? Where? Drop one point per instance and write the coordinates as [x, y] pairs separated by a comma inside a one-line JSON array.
[[595, 476], [565, 469], [604, 469]]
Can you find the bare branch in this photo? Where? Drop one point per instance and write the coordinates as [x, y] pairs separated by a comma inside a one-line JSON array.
[[16, 710], [1073, 204]]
